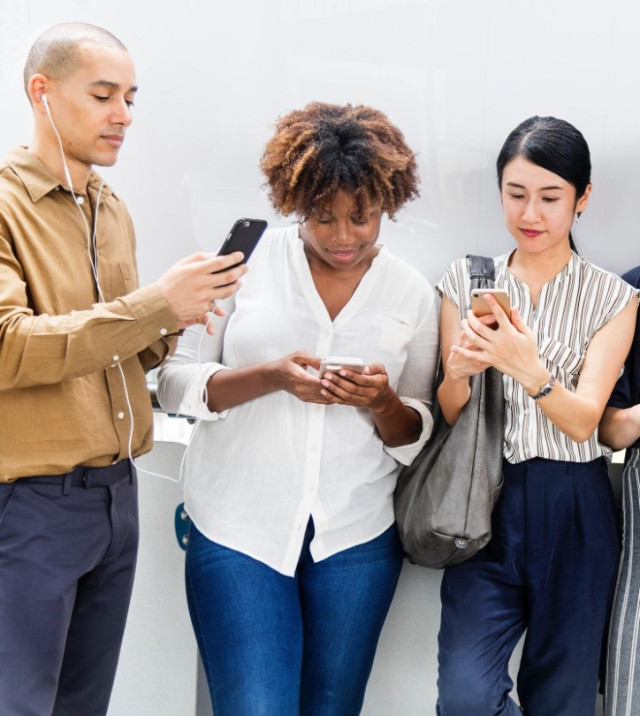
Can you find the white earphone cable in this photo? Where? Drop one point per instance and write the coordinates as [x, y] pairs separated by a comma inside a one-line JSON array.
[[92, 251]]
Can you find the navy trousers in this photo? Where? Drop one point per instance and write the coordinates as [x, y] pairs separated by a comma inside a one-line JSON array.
[[549, 569], [68, 547]]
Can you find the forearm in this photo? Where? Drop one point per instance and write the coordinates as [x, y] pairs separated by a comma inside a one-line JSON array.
[[227, 389], [577, 412], [396, 423], [46, 349], [620, 427], [576, 416], [453, 395]]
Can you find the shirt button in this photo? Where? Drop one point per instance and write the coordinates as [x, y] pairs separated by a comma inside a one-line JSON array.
[[121, 415], [80, 199], [116, 358], [163, 331]]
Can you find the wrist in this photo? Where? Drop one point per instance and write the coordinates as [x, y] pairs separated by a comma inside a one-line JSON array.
[[543, 389], [271, 376], [456, 383], [454, 392], [533, 377], [385, 402]]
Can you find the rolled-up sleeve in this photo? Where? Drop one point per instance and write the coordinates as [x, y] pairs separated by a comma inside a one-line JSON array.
[[182, 381]]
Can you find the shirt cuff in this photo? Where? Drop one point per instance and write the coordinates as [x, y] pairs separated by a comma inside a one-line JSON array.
[[405, 454], [153, 315], [194, 403]]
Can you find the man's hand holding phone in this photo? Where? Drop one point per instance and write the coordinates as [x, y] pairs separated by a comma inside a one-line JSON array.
[[243, 236], [192, 286]]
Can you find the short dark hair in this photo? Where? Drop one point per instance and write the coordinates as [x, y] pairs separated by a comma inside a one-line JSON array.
[[324, 148], [55, 53]]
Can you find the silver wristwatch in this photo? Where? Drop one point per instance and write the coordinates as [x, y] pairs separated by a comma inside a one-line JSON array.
[[545, 389]]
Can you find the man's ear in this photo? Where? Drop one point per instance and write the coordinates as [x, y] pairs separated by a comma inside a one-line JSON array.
[[36, 89]]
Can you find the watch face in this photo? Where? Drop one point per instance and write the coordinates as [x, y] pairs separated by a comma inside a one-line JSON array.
[[545, 389]]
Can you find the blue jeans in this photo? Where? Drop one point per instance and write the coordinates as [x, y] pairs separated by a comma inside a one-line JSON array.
[[274, 645]]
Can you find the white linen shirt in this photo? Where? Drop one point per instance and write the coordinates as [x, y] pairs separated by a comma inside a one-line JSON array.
[[255, 474], [572, 307]]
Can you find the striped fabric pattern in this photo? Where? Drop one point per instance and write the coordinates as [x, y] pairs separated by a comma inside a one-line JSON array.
[[622, 693], [571, 308]]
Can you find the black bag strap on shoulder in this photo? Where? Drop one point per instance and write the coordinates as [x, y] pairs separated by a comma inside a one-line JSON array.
[[481, 271]]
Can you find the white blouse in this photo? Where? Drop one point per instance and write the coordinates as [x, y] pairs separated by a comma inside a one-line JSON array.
[[571, 308], [255, 474]]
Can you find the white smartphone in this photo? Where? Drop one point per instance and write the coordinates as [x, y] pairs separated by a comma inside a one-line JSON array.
[[481, 308], [333, 364]]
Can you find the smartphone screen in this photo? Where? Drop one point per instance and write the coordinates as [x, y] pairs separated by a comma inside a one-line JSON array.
[[244, 236]]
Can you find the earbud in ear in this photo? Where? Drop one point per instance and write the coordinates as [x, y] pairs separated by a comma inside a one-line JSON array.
[[43, 97]]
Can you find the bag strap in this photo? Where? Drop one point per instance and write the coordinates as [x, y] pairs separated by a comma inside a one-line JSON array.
[[481, 271]]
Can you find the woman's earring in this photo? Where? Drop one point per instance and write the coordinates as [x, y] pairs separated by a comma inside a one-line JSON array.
[[577, 219]]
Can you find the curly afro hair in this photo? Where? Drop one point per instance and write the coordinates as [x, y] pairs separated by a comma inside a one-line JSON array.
[[323, 148]]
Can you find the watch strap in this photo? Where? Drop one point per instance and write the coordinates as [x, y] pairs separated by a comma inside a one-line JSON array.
[[545, 389]]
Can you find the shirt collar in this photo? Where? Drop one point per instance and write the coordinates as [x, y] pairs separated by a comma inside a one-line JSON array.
[[38, 180], [502, 267]]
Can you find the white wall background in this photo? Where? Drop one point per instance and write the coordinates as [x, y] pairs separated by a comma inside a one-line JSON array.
[[455, 75]]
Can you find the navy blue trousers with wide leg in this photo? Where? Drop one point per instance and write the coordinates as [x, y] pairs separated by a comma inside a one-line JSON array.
[[549, 569]]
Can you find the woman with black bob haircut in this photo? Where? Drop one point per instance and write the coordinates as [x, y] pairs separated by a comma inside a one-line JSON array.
[[554, 145], [552, 558], [293, 555]]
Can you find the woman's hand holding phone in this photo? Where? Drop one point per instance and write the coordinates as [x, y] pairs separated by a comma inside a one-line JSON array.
[[339, 380], [362, 388], [480, 306], [290, 373], [510, 346]]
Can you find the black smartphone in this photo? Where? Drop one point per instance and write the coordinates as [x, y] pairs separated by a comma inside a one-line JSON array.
[[244, 236]]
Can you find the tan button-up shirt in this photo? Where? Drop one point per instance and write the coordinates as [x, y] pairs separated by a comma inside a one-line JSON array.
[[63, 400]]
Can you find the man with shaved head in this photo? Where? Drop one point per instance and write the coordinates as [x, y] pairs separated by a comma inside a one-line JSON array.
[[76, 337]]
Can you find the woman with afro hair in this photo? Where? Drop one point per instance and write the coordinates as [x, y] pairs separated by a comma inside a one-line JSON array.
[[293, 556]]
